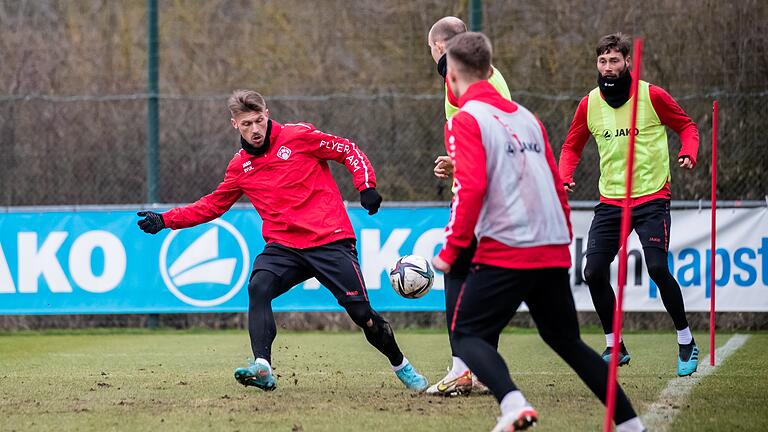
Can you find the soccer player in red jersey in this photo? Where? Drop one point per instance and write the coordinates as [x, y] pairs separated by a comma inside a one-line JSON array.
[[283, 170], [509, 196]]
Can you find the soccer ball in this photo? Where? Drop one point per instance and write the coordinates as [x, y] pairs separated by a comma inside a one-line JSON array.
[[411, 276]]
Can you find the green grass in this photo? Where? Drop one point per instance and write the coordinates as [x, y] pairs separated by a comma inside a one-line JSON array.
[[734, 398], [182, 380]]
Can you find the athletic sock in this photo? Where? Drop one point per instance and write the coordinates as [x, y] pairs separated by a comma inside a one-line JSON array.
[[458, 368], [609, 340], [684, 336], [401, 365], [632, 425], [512, 401], [264, 362]]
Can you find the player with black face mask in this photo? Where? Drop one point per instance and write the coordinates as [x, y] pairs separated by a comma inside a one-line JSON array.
[[606, 114]]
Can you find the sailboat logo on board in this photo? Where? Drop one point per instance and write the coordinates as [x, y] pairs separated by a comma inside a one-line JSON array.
[[205, 266]]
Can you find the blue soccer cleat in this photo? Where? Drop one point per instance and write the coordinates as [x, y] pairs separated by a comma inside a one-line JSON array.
[[624, 356], [256, 375], [687, 359], [412, 379]]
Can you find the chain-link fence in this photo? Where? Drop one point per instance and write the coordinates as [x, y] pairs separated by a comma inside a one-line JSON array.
[[73, 108]]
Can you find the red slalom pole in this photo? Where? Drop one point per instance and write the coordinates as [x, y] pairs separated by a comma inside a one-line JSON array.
[[626, 218], [712, 283]]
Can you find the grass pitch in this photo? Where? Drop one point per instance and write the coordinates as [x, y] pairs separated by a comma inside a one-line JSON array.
[[182, 380]]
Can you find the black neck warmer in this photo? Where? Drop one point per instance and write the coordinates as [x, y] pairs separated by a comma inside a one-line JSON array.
[[442, 66], [257, 151], [615, 91]]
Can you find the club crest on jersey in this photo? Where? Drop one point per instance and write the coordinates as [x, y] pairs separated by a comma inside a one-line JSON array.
[[284, 153]]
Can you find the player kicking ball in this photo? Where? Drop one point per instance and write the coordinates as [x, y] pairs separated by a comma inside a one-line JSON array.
[[509, 197], [283, 170]]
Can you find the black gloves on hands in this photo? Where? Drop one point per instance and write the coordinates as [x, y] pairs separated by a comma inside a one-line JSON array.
[[152, 222], [370, 200]]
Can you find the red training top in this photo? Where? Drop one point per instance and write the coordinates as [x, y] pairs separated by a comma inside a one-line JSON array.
[[516, 206], [290, 186]]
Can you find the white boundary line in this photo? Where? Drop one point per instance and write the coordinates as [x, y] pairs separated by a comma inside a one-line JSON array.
[[662, 412]]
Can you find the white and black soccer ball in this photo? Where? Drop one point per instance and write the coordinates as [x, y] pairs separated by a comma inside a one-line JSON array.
[[411, 276]]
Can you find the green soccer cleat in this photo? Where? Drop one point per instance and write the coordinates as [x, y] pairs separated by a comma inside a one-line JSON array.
[[256, 375], [687, 359], [412, 379], [624, 356]]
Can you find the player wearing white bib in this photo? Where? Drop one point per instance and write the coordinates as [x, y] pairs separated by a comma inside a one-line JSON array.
[[509, 197]]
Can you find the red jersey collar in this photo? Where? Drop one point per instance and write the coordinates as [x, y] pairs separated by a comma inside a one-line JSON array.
[[276, 129], [486, 92], [449, 94]]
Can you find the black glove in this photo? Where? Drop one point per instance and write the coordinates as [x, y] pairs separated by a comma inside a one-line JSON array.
[[370, 200], [152, 222]]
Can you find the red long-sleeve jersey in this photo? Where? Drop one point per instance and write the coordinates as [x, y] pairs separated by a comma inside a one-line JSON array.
[[290, 186], [670, 114], [509, 193]]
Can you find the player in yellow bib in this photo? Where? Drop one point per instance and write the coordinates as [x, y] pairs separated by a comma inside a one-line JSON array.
[[459, 379], [605, 114]]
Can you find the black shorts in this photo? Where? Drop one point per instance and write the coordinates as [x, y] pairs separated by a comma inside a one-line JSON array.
[[335, 265], [491, 295], [651, 221]]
